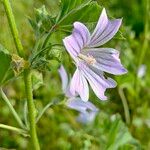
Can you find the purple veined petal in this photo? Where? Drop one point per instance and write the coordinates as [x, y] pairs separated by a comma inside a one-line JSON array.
[[71, 46], [81, 106], [101, 25], [97, 81], [64, 78], [111, 83], [81, 33], [68, 93], [107, 59], [79, 85], [105, 30], [77, 40]]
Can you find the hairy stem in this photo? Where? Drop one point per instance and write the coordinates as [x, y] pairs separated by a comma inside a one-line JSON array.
[[12, 109], [13, 27], [31, 109], [27, 75]]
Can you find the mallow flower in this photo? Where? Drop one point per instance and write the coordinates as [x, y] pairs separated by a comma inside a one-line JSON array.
[[87, 110], [92, 60]]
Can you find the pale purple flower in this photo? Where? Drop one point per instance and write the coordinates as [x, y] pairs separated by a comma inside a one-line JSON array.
[[92, 61], [87, 110]]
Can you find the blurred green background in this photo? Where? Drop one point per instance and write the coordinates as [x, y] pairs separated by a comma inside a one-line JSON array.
[[58, 128]]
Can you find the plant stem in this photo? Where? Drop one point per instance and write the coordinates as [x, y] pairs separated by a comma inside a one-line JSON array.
[[125, 105], [144, 47], [31, 109], [146, 32], [25, 115], [12, 109], [27, 75], [20, 131], [13, 27], [43, 111]]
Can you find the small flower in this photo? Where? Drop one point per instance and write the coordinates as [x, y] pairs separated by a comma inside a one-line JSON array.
[[92, 61], [87, 110]]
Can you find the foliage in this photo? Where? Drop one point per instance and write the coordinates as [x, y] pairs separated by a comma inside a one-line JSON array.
[[5, 65], [58, 128]]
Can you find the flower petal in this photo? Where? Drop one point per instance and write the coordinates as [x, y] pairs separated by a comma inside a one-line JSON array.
[[101, 25], [105, 30], [82, 33], [79, 85], [77, 40], [81, 106], [71, 46], [97, 81], [64, 78], [107, 59]]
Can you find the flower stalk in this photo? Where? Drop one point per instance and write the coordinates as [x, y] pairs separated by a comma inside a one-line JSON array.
[[125, 105], [27, 75], [146, 32], [13, 27], [31, 109], [144, 47]]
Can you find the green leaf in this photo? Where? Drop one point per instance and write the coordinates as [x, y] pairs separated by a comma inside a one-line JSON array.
[[42, 22], [119, 135], [69, 6], [5, 66], [37, 80], [86, 11], [55, 53]]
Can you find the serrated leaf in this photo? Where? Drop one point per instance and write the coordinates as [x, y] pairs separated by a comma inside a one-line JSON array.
[[5, 66]]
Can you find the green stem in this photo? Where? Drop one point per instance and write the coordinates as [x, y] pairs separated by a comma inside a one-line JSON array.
[[20, 131], [12, 109], [125, 105], [146, 32], [145, 43], [27, 75], [25, 115], [31, 109], [13, 27], [43, 111]]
